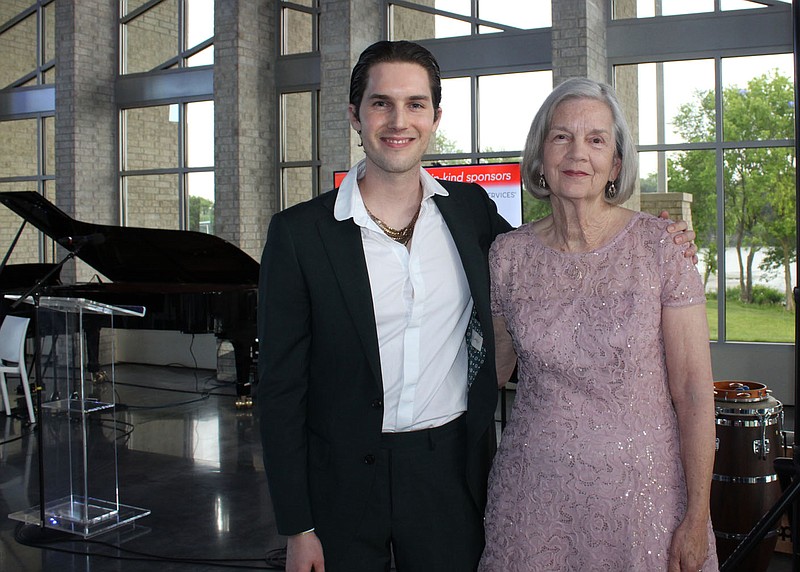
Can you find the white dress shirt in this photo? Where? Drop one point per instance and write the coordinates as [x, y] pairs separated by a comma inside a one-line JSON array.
[[422, 306]]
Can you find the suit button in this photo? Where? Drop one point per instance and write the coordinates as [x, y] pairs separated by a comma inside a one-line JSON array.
[[369, 459], [377, 404]]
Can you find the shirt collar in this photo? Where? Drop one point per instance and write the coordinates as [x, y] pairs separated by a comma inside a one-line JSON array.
[[349, 203]]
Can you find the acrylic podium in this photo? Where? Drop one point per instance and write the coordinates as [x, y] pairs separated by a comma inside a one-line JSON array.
[[79, 489]]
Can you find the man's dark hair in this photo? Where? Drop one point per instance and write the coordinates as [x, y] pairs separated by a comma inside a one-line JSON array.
[[386, 52]]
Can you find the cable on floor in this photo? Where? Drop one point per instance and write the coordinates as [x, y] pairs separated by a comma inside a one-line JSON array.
[[24, 536]]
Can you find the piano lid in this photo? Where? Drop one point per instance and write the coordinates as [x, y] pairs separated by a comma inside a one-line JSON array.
[[22, 276], [134, 254]]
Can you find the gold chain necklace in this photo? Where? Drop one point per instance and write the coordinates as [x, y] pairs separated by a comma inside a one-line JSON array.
[[402, 235]]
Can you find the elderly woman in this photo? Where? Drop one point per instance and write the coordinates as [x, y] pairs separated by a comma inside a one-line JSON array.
[[606, 463]]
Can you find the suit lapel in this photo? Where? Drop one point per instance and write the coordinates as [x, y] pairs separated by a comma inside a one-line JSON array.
[[459, 221], [342, 242]]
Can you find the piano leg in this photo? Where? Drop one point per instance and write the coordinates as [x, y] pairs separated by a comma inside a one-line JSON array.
[[91, 330], [92, 334], [242, 353]]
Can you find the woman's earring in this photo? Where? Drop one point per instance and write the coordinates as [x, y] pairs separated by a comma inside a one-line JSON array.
[[360, 140], [542, 182], [611, 190]]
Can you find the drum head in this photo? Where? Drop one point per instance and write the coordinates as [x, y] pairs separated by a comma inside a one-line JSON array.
[[740, 391]]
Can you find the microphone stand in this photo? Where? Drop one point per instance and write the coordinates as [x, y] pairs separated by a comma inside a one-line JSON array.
[[787, 469]]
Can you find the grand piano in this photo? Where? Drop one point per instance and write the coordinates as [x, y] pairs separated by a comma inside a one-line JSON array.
[[187, 281]]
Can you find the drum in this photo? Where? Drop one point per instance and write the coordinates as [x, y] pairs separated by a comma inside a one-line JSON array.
[[749, 424], [740, 391]]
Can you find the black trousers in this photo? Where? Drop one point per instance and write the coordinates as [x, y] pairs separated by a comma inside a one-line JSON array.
[[420, 509]]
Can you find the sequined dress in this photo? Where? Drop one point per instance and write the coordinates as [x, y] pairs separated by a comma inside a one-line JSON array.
[[588, 473]]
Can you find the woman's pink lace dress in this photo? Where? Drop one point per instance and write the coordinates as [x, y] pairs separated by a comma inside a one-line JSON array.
[[588, 474]]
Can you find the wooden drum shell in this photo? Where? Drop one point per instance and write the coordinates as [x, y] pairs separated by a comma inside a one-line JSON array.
[[745, 485]]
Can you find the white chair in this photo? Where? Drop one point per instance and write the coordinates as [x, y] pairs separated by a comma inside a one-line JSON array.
[[12, 359]]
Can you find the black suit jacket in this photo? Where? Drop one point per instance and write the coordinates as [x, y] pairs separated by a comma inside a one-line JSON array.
[[320, 392]]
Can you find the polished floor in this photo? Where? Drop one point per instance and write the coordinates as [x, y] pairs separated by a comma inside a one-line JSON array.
[[187, 454]]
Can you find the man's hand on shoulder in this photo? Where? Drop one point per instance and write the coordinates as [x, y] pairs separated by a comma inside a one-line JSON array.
[[682, 235], [304, 553]]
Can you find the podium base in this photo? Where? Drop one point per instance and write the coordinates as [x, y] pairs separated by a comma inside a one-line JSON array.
[[76, 515]]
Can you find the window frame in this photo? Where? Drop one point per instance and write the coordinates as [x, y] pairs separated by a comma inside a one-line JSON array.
[[725, 34], [172, 82]]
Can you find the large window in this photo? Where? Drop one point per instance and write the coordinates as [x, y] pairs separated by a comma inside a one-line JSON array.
[[653, 8], [27, 140], [722, 131], [27, 42], [415, 20], [487, 117], [299, 27], [299, 161], [486, 109], [163, 34], [168, 166], [298, 112], [167, 150], [716, 127]]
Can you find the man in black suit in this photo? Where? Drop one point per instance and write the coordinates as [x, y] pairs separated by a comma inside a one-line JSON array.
[[374, 439], [377, 386]]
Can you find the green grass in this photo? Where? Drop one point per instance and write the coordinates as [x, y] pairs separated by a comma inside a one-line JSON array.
[[752, 322]]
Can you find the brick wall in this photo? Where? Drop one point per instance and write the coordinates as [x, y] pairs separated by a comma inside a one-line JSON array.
[[346, 28], [151, 38], [86, 115], [245, 121], [10, 8], [579, 29], [18, 46], [414, 25], [679, 205]]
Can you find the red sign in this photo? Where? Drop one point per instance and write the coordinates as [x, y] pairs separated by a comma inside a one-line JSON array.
[[501, 181]]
